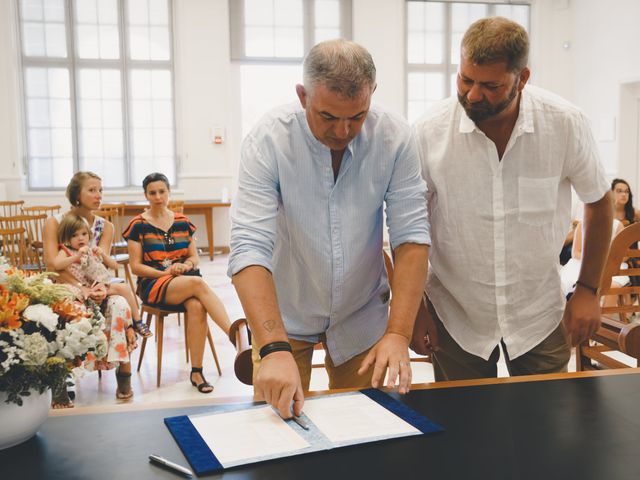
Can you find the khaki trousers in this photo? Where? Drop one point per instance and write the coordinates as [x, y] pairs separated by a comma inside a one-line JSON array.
[[342, 376], [453, 363]]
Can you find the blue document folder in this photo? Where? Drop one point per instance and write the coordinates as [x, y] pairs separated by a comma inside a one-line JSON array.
[[202, 456]]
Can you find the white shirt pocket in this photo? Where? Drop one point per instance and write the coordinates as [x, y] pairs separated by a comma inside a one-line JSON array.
[[537, 199]]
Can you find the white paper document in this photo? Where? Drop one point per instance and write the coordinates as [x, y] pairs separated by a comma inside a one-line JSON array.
[[257, 433], [245, 434], [345, 418]]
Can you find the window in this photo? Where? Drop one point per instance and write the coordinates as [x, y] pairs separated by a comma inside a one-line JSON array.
[[98, 90], [434, 33], [269, 39]]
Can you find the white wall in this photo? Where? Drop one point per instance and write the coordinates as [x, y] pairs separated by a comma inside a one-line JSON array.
[[10, 131], [379, 26], [602, 37]]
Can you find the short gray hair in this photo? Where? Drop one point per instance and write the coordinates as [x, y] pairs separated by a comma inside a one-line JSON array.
[[341, 66], [497, 39]]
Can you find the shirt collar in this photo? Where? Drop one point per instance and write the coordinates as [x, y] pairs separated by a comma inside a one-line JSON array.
[[524, 123]]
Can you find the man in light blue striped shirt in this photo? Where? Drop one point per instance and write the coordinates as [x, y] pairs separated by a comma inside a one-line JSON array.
[[307, 231]]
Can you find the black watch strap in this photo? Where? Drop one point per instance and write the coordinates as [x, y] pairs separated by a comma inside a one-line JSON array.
[[275, 347]]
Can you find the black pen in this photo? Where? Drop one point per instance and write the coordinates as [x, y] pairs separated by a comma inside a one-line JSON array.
[[174, 466]]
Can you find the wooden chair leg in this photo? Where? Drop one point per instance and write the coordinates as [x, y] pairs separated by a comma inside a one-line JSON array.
[[159, 334], [578, 358], [129, 279], [186, 337], [144, 339], [213, 350]]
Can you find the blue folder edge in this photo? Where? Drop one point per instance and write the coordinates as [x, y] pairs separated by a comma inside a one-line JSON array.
[[406, 413], [193, 446], [203, 461]]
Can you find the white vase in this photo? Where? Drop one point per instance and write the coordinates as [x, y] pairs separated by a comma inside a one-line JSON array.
[[20, 423]]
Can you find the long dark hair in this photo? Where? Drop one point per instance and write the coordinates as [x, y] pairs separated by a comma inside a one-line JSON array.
[[629, 212]]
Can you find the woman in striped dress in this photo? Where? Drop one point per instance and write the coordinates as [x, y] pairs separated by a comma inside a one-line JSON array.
[[163, 255]]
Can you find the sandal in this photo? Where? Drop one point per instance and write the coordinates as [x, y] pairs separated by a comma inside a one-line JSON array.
[[202, 387], [123, 392], [142, 329]]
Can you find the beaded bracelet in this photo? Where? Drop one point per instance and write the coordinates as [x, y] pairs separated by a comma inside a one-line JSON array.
[[275, 347]]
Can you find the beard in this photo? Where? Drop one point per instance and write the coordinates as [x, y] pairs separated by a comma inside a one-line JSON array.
[[480, 111]]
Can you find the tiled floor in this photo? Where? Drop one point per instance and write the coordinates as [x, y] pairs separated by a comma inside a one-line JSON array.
[[94, 391]]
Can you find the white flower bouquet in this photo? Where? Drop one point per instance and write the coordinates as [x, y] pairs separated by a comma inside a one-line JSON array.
[[44, 333]]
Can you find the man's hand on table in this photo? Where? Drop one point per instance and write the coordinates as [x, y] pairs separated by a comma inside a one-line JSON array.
[[278, 381], [392, 352]]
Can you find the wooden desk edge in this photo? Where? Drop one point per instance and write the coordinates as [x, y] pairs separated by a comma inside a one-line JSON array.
[[136, 407]]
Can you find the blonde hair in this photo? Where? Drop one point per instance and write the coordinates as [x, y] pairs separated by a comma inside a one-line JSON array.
[[69, 225], [496, 39], [75, 186]]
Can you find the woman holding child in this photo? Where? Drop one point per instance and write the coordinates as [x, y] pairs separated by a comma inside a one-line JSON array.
[[77, 246], [163, 255]]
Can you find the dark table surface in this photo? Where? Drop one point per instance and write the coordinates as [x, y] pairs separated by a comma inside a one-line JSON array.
[[575, 428]]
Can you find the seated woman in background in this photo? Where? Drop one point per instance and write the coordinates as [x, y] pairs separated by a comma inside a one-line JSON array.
[[570, 272], [163, 255], [85, 194], [623, 202]]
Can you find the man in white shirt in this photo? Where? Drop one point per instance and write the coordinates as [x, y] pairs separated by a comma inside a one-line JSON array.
[[499, 161]]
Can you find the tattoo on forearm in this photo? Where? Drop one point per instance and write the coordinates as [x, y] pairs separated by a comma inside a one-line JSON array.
[[269, 325]]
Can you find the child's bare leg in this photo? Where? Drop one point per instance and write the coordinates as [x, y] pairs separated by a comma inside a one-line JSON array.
[[123, 290]]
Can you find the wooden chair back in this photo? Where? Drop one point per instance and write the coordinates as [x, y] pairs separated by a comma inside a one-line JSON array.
[[10, 208], [616, 332], [13, 246], [623, 249], [176, 206], [115, 212], [33, 226], [48, 210]]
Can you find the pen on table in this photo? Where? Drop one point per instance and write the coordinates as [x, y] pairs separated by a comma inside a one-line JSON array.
[[174, 466]]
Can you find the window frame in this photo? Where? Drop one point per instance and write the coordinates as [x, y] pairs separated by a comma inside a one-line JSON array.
[[237, 37], [73, 64]]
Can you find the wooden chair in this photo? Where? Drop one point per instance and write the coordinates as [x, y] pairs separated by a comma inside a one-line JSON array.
[[114, 213], [160, 312], [48, 210], [33, 225], [615, 333], [176, 206], [10, 208], [13, 247]]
